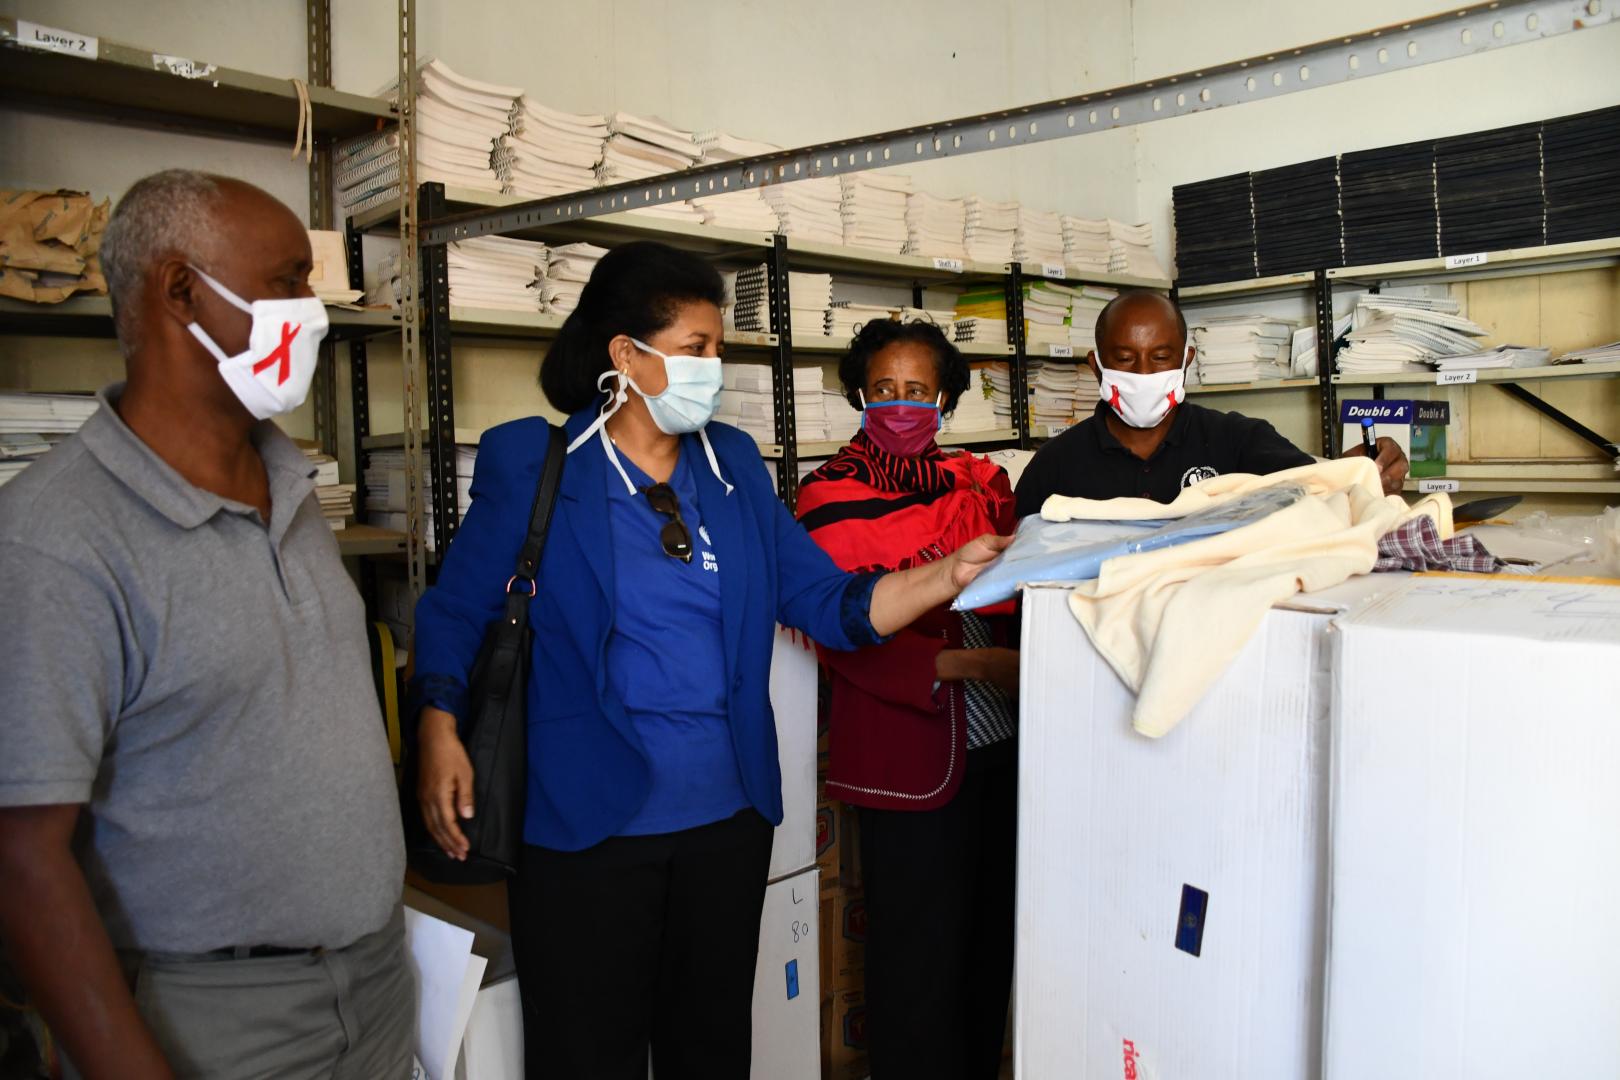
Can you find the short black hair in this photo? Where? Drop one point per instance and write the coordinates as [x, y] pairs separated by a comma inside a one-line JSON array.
[[1132, 295], [636, 289], [878, 334]]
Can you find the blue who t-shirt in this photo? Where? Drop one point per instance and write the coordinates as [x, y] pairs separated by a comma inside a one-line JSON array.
[[666, 658]]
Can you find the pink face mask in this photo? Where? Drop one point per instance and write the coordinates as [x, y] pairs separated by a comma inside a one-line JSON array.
[[901, 428]]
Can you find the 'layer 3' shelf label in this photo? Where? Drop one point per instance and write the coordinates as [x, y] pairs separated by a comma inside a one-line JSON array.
[[1060, 350], [51, 39], [950, 266], [1458, 262], [1053, 270], [1456, 378], [1430, 487]]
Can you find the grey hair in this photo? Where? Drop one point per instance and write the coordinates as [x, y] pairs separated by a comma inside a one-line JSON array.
[[161, 214]]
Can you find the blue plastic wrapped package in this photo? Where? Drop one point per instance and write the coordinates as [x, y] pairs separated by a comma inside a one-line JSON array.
[[1075, 550]]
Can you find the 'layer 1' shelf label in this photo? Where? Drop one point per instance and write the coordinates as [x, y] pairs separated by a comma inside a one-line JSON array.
[[1458, 262], [1060, 350], [950, 266], [1053, 270], [51, 39], [1430, 487]]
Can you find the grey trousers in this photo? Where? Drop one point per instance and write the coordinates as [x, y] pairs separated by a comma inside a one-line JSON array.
[[347, 1014]]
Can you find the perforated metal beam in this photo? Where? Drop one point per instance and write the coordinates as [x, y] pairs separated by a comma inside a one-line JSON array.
[[1459, 32]]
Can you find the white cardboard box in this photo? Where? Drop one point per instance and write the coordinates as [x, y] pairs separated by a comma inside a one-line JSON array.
[[787, 981], [1476, 834], [1117, 830], [793, 700]]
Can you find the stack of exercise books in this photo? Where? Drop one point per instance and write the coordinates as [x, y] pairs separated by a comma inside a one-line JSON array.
[[873, 208], [1296, 217], [1581, 163], [554, 152], [1488, 187], [935, 226], [1387, 200], [568, 268], [1241, 349], [497, 272], [991, 229], [1215, 239], [1394, 334]]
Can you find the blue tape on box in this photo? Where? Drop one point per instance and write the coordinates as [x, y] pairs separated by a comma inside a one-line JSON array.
[[792, 979]]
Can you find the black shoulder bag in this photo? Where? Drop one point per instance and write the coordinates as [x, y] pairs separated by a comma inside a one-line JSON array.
[[495, 727]]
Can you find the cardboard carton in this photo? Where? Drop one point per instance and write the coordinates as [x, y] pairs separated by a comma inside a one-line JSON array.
[[1476, 834]]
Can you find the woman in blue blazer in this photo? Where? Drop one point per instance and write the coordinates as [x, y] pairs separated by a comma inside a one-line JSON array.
[[653, 779]]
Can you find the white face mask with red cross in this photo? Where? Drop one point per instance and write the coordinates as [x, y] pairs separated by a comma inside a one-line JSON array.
[[273, 375]]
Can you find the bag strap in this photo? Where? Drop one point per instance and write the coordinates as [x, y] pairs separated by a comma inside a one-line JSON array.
[[545, 499]]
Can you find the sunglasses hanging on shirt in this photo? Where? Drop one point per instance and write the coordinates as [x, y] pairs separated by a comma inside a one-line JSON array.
[[674, 536]]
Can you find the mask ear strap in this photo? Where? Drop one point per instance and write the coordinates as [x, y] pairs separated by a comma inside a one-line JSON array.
[[229, 296]]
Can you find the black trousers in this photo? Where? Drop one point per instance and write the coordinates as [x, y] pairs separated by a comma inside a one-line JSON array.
[[939, 936], [638, 941]]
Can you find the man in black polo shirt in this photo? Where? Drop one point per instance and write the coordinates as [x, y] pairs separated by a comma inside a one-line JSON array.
[[1144, 441]]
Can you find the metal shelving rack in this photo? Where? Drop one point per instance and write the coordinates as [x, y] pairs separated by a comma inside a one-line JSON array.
[[1552, 258], [144, 86], [444, 324]]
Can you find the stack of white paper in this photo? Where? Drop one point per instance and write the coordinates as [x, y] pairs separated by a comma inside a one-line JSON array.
[[39, 414], [1391, 334], [843, 419], [553, 152], [1085, 243], [365, 171], [1503, 356], [1038, 238], [1088, 303], [1046, 316], [682, 211], [1241, 349], [974, 411], [808, 209], [1130, 250], [461, 128], [935, 226], [30, 424], [981, 331], [991, 229], [568, 269], [998, 376], [336, 499], [639, 147], [1052, 404], [497, 272], [1597, 354], [747, 402], [748, 301], [1302, 353], [718, 146], [845, 317], [1086, 393], [737, 210], [385, 490], [873, 207]]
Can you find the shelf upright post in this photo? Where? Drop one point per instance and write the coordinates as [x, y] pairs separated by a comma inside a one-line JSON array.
[[360, 411], [1323, 293], [1019, 388], [318, 19], [787, 477], [441, 444], [410, 313]]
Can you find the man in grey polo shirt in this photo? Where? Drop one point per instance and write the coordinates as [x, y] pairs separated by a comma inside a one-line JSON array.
[[199, 833]]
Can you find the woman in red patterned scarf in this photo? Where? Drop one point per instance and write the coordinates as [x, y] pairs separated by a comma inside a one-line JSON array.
[[922, 726]]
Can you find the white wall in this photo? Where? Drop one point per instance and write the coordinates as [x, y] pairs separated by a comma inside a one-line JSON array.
[[1567, 74]]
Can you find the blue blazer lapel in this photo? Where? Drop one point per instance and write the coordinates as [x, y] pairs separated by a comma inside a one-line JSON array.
[[582, 504], [729, 533]]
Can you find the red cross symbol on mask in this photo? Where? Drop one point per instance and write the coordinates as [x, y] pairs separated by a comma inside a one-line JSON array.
[[282, 352]]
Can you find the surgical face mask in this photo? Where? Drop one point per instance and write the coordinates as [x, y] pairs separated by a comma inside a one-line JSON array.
[[273, 375], [901, 428], [689, 401], [687, 404], [1143, 401]]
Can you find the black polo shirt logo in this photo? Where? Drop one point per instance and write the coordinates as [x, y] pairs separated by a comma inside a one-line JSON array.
[[1198, 474]]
